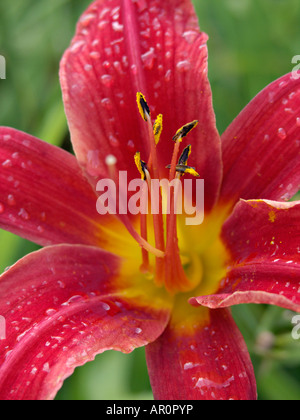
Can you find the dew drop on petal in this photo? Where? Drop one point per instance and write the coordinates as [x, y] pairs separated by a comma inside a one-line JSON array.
[[117, 27], [41, 229], [105, 306], [298, 121], [2, 208], [95, 55], [107, 80], [46, 368], [11, 200], [7, 163], [113, 140], [168, 75], [148, 58], [131, 145], [106, 103], [24, 214], [282, 133], [190, 36], [88, 67], [183, 66]]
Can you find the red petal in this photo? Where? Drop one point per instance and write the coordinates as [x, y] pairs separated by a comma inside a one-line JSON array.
[[261, 147], [263, 238], [206, 361], [151, 46], [43, 195], [63, 306]]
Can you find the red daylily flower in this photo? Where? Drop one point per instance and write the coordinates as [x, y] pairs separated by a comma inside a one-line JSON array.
[[98, 284]]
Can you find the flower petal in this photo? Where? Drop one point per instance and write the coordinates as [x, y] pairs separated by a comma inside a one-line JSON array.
[[261, 147], [124, 47], [263, 239], [205, 361], [43, 194], [63, 305]]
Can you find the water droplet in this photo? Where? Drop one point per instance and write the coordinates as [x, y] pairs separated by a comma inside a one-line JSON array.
[[113, 140], [138, 330], [6, 137], [102, 24], [117, 27], [34, 371], [88, 67], [73, 299], [118, 67], [7, 164], [24, 214], [106, 103], [41, 229], [183, 66], [46, 368], [61, 284], [2, 208], [11, 200], [107, 80], [87, 19], [75, 47], [156, 24], [282, 133], [50, 312], [95, 55], [105, 306], [298, 121], [168, 75], [271, 97], [131, 145], [148, 58], [146, 33], [190, 36]]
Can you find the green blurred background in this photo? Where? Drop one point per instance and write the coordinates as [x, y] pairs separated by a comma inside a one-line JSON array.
[[252, 42]]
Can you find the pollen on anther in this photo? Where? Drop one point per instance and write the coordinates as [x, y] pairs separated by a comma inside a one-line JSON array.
[[157, 128], [143, 106]]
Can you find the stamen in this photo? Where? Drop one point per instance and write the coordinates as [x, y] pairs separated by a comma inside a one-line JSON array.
[[185, 155], [184, 169], [183, 131], [157, 128], [174, 271], [143, 106], [157, 218], [141, 165]]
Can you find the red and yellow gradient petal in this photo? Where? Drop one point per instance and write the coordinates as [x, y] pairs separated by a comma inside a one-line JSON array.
[[201, 357], [63, 305], [261, 147], [45, 198], [151, 46], [264, 261]]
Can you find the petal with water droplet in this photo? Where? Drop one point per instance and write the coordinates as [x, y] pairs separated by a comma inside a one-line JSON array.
[[254, 168], [263, 239], [201, 357], [49, 201], [63, 328], [159, 43]]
